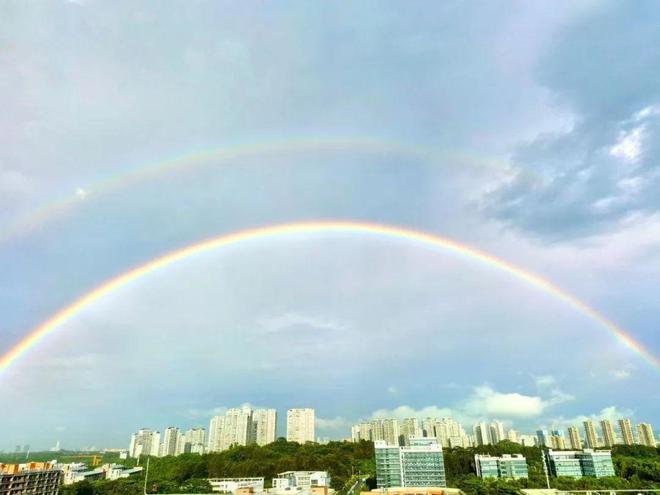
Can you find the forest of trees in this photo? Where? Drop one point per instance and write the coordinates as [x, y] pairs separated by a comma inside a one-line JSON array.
[[636, 467]]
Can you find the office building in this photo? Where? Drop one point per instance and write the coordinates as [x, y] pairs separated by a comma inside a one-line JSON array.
[[264, 426], [574, 438], [419, 464], [300, 425], [645, 434], [33, 478], [506, 466], [608, 432], [576, 464], [590, 434], [626, 432]]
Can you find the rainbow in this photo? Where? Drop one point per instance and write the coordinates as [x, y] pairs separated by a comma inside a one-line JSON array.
[[213, 156], [57, 320]]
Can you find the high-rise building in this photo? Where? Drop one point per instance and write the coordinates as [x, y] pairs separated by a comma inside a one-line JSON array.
[[196, 440], [576, 464], [507, 466], [144, 442], [234, 428], [626, 431], [300, 425], [170, 441], [215, 433], [645, 434], [512, 436], [481, 433], [574, 438], [264, 425], [557, 441], [542, 438], [608, 432], [419, 464], [497, 432], [408, 428], [590, 434]]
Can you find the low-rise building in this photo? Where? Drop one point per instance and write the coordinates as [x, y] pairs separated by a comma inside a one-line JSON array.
[[507, 466], [237, 486], [300, 480], [579, 463], [33, 478]]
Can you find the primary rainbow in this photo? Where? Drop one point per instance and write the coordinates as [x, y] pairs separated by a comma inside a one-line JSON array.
[[70, 311]]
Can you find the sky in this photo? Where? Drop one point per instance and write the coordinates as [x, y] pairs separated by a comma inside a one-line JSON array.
[[529, 132]]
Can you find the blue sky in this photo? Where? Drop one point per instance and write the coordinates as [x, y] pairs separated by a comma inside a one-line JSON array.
[[530, 132]]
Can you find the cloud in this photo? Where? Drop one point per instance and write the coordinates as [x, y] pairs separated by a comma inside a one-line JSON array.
[[483, 403], [577, 183], [622, 373], [544, 380], [333, 424], [297, 320]]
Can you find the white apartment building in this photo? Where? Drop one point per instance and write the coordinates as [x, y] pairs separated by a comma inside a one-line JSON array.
[[144, 442], [170, 441], [300, 425], [264, 426]]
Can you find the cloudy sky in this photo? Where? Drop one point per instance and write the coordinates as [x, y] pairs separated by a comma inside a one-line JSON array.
[[529, 131]]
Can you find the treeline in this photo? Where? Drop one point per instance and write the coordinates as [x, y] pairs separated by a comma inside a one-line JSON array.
[[636, 467]]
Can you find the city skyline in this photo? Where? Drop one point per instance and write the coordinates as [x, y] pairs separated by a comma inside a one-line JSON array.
[[373, 210]]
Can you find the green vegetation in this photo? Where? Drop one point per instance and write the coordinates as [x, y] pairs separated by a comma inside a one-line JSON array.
[[636, 467]]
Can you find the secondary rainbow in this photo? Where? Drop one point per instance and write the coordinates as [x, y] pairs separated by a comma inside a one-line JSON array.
[[127, 177], [317, 227]]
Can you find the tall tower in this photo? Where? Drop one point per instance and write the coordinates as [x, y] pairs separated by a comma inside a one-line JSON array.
[[264, 426], [574, 438], [608, 432], [590, 434], [300, 425], [645, 434], [626, 431]]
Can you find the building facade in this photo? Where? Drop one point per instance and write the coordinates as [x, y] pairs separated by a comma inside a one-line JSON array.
[[591, 439], [419, 464], [264, 425], [574, 438], [506, 466], [576, 464], [626, 432], [33, 478], [645, 434], [608, 432], [300, 425]]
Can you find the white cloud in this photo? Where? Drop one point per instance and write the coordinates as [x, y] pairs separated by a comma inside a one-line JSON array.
[[292, 319], [629, 145], [544, 380], [409, 412], [81, 193], [392, 390], [487, 402], [622, 373], [336, 423]]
